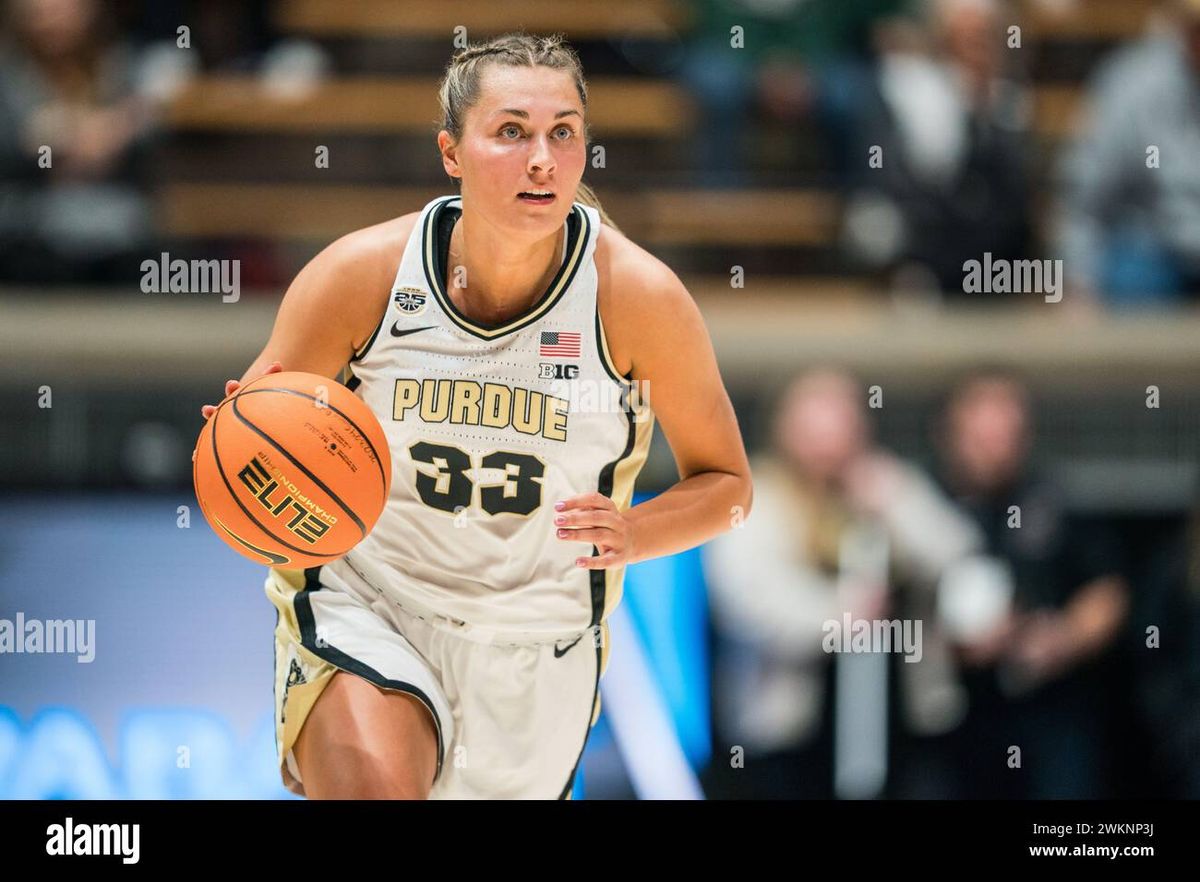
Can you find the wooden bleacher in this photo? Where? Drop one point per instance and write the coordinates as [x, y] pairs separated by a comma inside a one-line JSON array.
[[618, 108], [1056, 110], [1066, 20], [588, 19], [1067, 26], [663, 217], [622, 107], [286, 206], [582, 19]]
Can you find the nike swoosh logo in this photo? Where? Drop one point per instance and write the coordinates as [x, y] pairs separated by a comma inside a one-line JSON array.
[[559, 653], [273, 559], [398, 333]]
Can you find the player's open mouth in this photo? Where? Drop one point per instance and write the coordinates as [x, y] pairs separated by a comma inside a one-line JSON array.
[[537, 197]]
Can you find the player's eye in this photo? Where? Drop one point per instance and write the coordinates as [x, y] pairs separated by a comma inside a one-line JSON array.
[[509, 128], [566, 132]]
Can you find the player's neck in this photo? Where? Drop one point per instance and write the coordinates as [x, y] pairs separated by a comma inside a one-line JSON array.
[[502, 277]]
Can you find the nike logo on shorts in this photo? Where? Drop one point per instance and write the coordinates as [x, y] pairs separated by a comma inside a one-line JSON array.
[[559, 653]]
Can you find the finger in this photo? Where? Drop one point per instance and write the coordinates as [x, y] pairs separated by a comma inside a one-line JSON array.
[[584, 500], [588, 517], [599, 562], [599, 536], [207, 411], [275, 368], [231, 387]]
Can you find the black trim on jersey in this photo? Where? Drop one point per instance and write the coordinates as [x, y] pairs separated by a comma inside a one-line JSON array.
[[353, 382], [603, 353], [302, 605], [362, 353], [599, 582], [588, 731], [366, 347], [579, 227], [598, 579], [605, 488]]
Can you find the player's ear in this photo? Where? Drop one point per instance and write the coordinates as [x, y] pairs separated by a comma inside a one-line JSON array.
[[449, 151]]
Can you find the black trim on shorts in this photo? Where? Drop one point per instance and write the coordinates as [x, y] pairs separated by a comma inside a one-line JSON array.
[[588, 731], [275, 674], [308, 639]]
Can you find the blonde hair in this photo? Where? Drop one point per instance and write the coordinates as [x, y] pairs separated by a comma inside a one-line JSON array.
[[461, 85]]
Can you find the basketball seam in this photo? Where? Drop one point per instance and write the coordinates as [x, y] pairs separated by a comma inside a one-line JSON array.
[[245, 511], [346, 417], [362, 528]]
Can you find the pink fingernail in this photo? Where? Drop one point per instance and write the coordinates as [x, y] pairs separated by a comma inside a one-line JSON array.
[[559, 506]]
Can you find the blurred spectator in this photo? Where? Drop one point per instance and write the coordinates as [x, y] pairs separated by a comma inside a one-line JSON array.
[[226, 35], [768, 75], [936, 168], [776, 581], [1129, 231], [69, 85], [233, 37], [1166, 664], [1034, 673]]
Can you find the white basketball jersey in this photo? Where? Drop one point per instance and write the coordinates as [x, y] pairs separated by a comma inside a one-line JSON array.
[[488, 427]]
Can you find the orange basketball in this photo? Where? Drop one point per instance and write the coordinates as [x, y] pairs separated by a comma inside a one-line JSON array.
[[293, 470]]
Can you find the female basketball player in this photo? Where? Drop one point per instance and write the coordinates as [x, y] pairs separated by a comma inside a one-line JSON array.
[[457, 650]]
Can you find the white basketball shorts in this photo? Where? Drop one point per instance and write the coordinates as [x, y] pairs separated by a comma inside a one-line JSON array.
[[512, 717]]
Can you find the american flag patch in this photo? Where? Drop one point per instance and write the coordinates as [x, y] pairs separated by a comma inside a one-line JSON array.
[[559, 344]]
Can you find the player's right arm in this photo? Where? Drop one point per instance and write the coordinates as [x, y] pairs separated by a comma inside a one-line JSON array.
[[333, 306]]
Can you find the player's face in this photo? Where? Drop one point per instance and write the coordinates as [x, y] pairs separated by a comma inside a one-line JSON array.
[[524, 133]]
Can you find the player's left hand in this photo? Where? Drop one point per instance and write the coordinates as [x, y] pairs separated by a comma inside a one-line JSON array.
[[594, 518]]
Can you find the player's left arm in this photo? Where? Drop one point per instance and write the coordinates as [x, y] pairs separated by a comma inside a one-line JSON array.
[[675, 368]]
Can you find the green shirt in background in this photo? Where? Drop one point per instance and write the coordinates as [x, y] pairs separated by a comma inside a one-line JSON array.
[[810, 29]]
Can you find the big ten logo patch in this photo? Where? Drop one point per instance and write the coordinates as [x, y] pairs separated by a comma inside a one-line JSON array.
[[548, 371]]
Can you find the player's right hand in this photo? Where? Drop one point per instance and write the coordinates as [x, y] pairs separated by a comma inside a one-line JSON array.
[[232, 386]]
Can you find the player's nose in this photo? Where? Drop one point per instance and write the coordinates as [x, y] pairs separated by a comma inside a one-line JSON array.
[[541, 157]]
